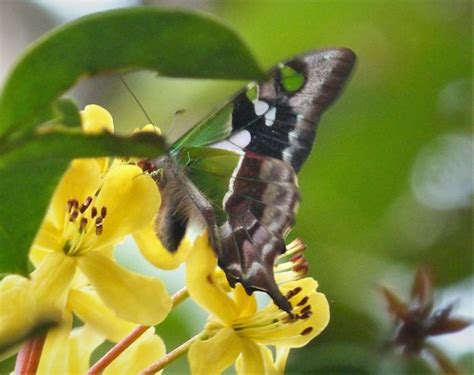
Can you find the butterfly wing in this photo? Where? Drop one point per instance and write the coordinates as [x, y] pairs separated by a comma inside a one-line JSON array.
[[278, 117], [243, 161], [254, 200]]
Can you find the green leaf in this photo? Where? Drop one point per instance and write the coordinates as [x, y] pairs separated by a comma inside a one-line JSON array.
[[25, 190], [65, 145], [68, 113], [174, 43], [30, 172]]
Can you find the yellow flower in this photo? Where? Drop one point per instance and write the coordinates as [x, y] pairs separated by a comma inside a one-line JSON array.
[[69, 352], [237, 328], [29, 306], [272, 366], [92, 209]]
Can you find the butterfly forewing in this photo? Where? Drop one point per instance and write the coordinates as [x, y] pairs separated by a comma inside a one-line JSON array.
[[278, 117], [242, 161]]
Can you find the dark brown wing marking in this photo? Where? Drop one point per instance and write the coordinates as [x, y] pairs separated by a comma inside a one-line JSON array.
[[287, 128], [258, 208]]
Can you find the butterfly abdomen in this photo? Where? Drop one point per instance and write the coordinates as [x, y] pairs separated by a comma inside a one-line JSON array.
[[177, 209]]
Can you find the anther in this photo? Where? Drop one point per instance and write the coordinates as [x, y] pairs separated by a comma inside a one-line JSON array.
[[306, 331], [73, 216], [306, 309], [93, 212], [71, 205], [103, 212], [296, 258], [99, 226], [293, 292], [82, 224], [305, 315], [85, 205], [301, 267], [303, 301]]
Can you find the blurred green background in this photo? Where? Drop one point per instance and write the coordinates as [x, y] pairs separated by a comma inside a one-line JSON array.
[[389, 184]]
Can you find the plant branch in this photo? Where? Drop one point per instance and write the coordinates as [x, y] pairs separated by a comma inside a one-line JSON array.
[[123, 344], [169, 357], [118, 349], [29, 356], [180, 296]]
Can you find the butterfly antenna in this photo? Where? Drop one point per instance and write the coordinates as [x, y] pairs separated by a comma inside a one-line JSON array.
[[173, 124], [136, 99]]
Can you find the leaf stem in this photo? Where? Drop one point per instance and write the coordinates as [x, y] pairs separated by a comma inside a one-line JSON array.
[[169, 357], [123, 344], [29, 356]]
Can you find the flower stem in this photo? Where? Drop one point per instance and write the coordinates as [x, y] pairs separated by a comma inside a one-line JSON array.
[[29, 356], [169, 357], [123, 344], [179, 296], [118, 349]]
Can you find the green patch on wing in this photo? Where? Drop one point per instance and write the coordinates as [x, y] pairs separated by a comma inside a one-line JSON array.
[[252, 92], [210, 169], [212, 129], [291, 80]]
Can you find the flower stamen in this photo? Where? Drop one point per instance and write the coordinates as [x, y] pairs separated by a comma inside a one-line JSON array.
[[303, 301], [99, 225], [79, 223], [93, 212], [85, 205], [293, 292]]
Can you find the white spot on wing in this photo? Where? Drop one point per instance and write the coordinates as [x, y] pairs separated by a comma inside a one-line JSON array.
[[236, 142], [270, 116], [254, 270], [260, 107], [232, 182]]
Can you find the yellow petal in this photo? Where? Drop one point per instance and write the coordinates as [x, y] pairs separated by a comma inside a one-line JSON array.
[[270, 367], [252, 359], [214, 355], [149, 128], [82, 342], [28, 305], [298, 332], [141, 354], [19, 317], [134, 297], [51, 280], [247, 304], [152, 249], [80, 181], [90, 309], [37, 254], [282, 353], [202, 285], [55, 354], [48, 239], [131, 199], [96, 119]]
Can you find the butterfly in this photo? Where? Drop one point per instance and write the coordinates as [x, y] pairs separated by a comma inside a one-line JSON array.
[[234, 173]]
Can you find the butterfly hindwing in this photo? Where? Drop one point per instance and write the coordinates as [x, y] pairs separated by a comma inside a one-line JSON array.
[[254, 199], [240, 165]]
